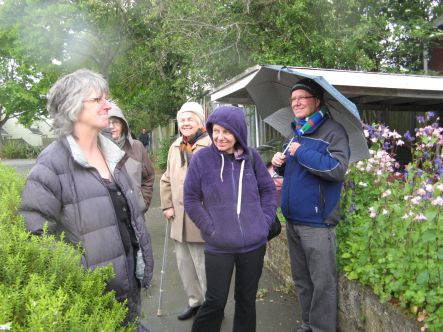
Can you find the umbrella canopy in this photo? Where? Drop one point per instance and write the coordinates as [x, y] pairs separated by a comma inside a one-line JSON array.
[[270, 89], [280, 121]]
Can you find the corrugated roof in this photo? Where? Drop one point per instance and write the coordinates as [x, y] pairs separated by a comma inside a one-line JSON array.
[[367, 90]]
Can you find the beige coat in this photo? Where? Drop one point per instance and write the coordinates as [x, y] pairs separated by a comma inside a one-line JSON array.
[[171, 192]]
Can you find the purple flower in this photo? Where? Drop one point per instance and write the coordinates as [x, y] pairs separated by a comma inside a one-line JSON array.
[[425, 155], [430, 115], [437, 162], [420, 118], [408, 137], [419, 172], [370, 129]]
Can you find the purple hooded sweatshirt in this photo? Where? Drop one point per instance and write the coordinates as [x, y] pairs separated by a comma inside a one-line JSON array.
[[232, 205]]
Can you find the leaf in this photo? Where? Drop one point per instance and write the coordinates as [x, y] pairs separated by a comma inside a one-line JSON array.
[[430, 214], [422, 277], [429, 236]]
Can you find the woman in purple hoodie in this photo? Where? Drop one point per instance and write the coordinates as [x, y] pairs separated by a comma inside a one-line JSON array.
[[232, 200]]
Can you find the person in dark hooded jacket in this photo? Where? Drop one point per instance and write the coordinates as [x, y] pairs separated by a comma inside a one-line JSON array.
[[137, 162], [232, 200]]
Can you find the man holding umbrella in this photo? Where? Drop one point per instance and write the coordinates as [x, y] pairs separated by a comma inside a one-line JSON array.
[[313, 165]]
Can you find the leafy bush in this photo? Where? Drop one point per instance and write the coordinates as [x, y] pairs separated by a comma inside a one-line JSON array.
[[392, 235], [42, 284], [19, 150], [161, 157]]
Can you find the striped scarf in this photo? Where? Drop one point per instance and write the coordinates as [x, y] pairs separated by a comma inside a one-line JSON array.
[[310, 123], [187, 143]]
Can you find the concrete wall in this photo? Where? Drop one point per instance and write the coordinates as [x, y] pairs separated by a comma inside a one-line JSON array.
[[359, 309]]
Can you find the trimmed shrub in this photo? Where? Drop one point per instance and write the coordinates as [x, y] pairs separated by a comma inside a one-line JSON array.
[[43, 286], [19, 150]]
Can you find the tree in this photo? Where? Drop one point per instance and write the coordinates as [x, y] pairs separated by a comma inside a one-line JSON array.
[[158, 54], [371, 35], [21, 86]]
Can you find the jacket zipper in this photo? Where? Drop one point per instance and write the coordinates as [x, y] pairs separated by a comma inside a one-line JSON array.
[[235, 195]]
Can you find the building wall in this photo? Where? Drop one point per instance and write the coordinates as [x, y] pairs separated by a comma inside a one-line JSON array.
[[436, 58], [15, 131]]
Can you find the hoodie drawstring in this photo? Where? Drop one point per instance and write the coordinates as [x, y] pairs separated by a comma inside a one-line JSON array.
[[222, 167], [240, 181], [240, 187]]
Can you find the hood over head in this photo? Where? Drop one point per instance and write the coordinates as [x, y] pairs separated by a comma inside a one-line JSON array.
[[116, 112], [233, 119]]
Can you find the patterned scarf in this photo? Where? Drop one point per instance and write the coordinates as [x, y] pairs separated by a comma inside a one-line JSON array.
[[309, 124], [187, 143]]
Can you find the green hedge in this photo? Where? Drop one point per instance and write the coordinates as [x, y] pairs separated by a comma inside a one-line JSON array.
[[42, 284], [19, 150], [161, 155]]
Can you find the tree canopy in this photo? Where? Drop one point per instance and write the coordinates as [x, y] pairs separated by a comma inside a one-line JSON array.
[[157, 54]]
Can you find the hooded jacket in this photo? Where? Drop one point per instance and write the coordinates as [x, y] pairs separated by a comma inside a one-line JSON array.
[[231, 204], [137, 163], [65, 192]]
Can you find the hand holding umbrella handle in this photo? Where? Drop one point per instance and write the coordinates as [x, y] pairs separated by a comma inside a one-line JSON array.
[[287, 146]]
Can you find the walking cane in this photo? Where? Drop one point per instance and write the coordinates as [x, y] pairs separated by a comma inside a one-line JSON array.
[[162, 273]]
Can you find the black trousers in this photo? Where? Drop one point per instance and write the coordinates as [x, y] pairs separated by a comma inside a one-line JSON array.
[[219, 268]]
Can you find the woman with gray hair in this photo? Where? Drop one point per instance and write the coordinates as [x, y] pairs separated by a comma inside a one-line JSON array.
[[79, 187]]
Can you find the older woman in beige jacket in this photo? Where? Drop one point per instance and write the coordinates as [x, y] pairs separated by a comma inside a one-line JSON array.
[[189, 245]]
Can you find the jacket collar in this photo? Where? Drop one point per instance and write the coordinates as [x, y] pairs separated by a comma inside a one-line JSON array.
[[200, 142], [111, 152]]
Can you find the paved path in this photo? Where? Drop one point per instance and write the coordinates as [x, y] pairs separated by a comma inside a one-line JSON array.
[[276, 311], [21, 165]]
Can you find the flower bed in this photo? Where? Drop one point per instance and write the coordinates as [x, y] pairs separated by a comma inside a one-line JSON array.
[[391, 237]]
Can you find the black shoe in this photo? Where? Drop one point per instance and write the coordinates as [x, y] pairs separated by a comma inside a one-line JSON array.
[[188, 313]]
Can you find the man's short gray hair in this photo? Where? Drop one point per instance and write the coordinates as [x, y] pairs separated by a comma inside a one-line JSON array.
[[66, 97]]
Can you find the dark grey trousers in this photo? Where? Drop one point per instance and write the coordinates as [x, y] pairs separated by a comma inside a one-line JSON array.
[[313, 262]]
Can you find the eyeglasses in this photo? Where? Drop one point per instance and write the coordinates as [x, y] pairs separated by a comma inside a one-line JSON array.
[[99, 100], [303, 98], [115, 122]]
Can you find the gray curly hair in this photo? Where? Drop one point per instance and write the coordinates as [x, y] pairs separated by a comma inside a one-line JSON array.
[[66, 96]]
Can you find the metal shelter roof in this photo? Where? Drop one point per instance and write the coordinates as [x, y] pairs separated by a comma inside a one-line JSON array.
[[367, 90]]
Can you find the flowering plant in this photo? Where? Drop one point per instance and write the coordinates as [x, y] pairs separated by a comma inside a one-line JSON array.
[[391, 237]]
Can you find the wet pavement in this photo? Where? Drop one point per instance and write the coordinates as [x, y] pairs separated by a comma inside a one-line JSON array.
[[21, 165], [276, 311]]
